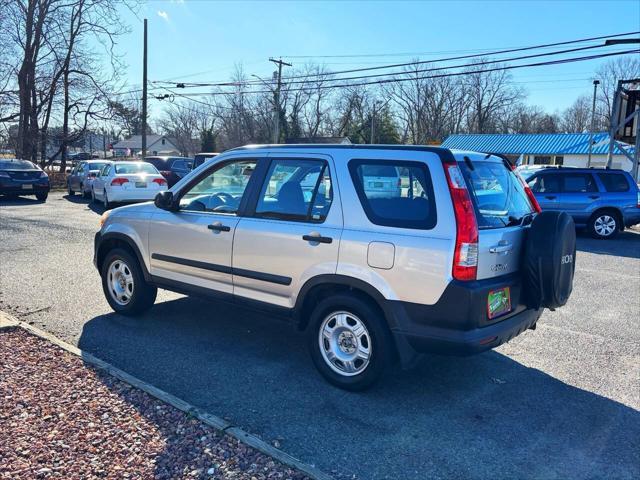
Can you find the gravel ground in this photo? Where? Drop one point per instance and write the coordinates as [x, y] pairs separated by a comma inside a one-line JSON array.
[[60, 418]]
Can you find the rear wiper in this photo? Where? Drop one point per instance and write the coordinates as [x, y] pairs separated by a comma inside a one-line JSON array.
[[470, 166], [513, 221]]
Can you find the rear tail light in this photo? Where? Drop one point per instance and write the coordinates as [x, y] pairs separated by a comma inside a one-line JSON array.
[[160, 181], [532, 198], [119, 181], [465, 257]]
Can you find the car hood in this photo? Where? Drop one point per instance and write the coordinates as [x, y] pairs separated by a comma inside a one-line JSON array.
[[135, 209]]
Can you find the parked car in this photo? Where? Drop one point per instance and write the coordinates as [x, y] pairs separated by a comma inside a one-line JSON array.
[[22, 177], [200, 158], [459, 260], [76, 157], [82, 176], [604, 201], [127, 182], [527, 170], [381, 181], [171, 168]]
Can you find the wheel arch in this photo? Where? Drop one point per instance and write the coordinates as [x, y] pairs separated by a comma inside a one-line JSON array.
[[615, 210], [112, 240], [322, 286]]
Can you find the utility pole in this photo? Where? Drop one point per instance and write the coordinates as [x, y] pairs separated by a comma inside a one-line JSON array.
[[144, 92], [373, 123], [276, 99], [593, 120]]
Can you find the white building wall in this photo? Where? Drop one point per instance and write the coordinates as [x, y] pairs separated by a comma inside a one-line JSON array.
[[597, 161]]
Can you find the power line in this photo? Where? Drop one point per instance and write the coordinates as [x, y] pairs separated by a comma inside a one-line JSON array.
[[512, 49], [422, 70], [492, 53], [444, 75]]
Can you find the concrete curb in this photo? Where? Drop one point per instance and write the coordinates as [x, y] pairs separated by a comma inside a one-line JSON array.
[[7, 321]]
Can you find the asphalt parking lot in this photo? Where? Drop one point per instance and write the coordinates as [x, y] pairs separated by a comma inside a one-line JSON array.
[[562, 401]]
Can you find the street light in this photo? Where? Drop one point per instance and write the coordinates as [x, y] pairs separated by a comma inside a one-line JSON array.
[[593, 119]]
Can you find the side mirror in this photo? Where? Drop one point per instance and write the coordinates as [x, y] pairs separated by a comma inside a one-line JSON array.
[[164, 200]]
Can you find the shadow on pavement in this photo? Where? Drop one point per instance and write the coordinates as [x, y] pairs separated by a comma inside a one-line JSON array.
[[13, 200], [626, 244], [476, 417]]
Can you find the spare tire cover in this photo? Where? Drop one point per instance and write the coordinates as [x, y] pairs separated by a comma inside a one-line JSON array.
[[549, 260]]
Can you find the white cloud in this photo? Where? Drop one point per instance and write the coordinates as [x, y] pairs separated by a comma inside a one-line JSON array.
[[163, 14]]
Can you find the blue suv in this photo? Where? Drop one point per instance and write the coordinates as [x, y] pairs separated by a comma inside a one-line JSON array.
[[603, 200]]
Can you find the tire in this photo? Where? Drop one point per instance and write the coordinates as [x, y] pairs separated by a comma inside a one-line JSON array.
[[93, 196], [105, 200], [549, 260], [84, 194], [604, 224], [341, 318], [70, 192], [124, 285], [42, 196]]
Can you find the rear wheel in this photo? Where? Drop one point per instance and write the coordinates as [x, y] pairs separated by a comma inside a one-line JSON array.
[[93, 195], [124, 285], [604, 224], [105, 200], [42, 196], [349, 342], [69, 190]]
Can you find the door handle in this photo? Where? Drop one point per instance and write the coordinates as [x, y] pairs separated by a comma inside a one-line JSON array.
[[501, 248], [219, 227], [550, 197], [317, 238], [594, 197]]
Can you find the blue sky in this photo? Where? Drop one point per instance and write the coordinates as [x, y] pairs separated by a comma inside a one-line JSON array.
[[204, 40]]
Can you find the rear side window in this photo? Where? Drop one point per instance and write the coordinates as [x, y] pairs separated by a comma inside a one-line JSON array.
[[496, 192], [545, 183], [578, 183], [395, 193], [297, 189], [614, 182]]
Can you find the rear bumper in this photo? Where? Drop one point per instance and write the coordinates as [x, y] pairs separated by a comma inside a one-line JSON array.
[[141, 195], [18, 189], [458, 323]]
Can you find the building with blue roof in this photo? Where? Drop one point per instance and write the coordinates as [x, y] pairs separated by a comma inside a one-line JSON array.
[[569, 149]]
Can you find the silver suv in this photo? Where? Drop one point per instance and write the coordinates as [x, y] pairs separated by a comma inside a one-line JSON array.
[[450, 255]]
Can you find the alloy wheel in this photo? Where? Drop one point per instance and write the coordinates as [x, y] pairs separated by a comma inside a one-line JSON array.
[[605, 225], [345, 343], [120, 282]]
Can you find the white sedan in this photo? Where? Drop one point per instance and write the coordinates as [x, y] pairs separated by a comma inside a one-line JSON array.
[[127, 182]]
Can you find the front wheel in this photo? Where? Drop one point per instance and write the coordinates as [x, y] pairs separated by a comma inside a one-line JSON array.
[[349, 342], [124, 285], [42, 196], [604, 225]]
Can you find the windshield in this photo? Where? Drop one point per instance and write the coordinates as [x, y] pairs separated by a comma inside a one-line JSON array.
[[17, 164], [140, 167], [497, 193], [96, 166]]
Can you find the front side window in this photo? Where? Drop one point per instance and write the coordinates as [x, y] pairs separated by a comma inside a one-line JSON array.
[[579, 183], [395, 193], [297, 189], [221, 190]]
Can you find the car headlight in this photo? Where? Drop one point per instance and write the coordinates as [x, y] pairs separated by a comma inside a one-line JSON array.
[[103, 217]]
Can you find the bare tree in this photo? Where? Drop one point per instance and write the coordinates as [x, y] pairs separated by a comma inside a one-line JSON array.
[[577, 118]]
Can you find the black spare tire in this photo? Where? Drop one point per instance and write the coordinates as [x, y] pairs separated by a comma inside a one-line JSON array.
[[549, 260]]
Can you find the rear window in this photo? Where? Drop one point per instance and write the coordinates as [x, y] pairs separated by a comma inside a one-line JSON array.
[[496, 192], [159, 163], [614, 182], [16, 164], [395, 193], [132, 168]]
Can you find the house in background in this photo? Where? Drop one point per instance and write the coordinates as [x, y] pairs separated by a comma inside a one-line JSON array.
[[156, 145], [568, 149]]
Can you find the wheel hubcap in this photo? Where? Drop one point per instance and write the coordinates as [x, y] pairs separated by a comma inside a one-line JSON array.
[[120, 282], [345, 343], [605, 225]]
